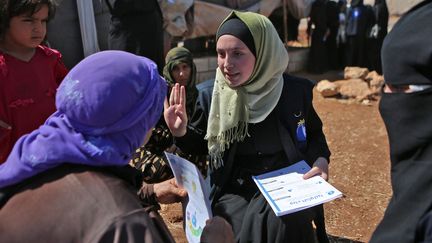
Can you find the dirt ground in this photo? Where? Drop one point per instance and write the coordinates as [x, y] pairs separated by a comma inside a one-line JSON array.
[[359, 168]]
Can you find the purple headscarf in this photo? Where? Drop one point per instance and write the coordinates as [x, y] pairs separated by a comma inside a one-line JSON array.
[[105, 106]]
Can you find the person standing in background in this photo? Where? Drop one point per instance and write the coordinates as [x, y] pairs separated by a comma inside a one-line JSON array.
[[359, 19], [293, 28], [318, 32], [136, 26], [341, 38], [332, 11], [377, 34], [66, 31], [29, 72]]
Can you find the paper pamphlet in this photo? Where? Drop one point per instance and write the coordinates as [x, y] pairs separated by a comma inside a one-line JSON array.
[[198, 208], [287, 192]]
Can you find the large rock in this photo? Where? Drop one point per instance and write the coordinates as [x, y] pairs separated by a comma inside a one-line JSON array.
[[375, 82], [354, 88], [327, 88], [355, 73], [364, 87]]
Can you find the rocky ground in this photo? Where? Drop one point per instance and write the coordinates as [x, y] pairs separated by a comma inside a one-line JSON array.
[[359, 168]]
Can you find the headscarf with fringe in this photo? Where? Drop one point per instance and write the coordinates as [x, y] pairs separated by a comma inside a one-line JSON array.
[[233, 108], [105, 106]]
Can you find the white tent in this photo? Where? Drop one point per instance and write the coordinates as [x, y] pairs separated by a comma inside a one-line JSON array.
[[208, 15]]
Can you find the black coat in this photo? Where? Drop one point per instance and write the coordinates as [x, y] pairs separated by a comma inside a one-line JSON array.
[[137, 27], [296, 98], [407, 61], [295, 104]]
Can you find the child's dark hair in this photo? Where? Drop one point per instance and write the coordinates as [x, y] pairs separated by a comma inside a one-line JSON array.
[[12, 8]]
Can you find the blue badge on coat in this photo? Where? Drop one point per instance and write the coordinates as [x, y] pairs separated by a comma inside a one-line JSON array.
[[301, 131]]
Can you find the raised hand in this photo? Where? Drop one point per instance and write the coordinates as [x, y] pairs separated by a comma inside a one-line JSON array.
[[175, 111]]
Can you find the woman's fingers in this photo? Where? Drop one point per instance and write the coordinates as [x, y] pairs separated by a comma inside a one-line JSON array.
[[320, 167], [166, 104], [178, 95], [182, 100], [312, 172], [179, 113], [171, 97]]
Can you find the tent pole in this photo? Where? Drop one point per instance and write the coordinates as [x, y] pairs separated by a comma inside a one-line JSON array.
[[285, 21]]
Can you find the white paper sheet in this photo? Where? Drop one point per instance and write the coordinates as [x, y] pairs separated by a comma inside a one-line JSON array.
[[198, 206], [287, 192]]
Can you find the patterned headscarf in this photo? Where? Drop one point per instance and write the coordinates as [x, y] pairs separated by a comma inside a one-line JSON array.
[[105, 106], [233, 108], [174, 57]]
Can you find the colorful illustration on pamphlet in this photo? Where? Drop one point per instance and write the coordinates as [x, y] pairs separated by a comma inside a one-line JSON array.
[[184, 179], [194, 187], [197, 210], [191, 222]]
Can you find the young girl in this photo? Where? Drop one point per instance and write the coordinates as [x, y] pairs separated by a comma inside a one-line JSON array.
[[29, 72], [255, 120]]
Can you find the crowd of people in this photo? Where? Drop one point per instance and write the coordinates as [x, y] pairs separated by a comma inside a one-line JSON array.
[[81, 150], [346, 34]]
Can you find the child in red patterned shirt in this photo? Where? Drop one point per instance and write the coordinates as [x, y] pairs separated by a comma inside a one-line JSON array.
[[29, 72]]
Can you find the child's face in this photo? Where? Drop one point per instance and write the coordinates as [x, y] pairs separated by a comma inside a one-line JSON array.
[[235, 60], [27, 31]]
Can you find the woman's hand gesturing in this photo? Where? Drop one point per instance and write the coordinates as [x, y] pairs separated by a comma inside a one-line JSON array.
[[175, 111]]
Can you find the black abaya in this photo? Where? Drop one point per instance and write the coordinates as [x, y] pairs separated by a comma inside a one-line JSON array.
[[317, 26]]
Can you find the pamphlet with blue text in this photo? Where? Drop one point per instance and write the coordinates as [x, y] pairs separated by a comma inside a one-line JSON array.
[[287, 192]]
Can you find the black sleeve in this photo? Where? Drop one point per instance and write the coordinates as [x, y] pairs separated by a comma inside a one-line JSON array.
[[317, 143]]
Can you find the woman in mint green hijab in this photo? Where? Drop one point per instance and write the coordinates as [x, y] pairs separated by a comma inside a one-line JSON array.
[[253, 120]]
